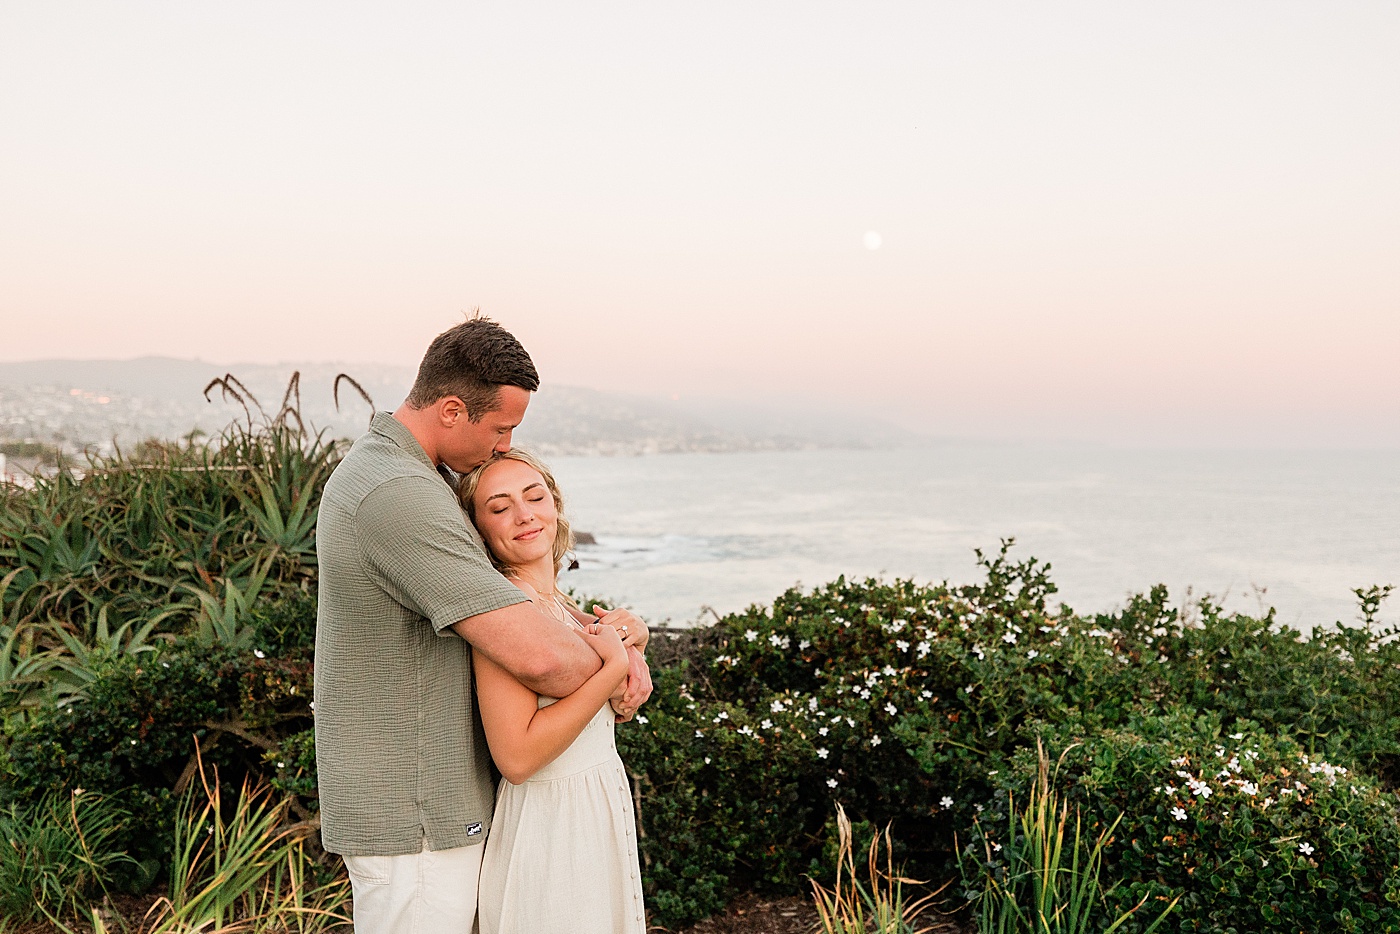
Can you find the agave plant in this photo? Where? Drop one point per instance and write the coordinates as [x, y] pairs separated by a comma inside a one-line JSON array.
[[170, 539]]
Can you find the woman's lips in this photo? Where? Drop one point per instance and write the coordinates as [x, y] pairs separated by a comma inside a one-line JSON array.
[[529, 536]]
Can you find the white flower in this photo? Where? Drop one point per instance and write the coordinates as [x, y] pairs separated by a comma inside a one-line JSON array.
[[766, 724], [259, 653], [1009, 638], [1171, 790], [1178, 813], [979, 808], [746, 731], [831, 783], [891, 709], [822, 753], [641, 719], [751, 634], [1032, 654], [804, 644], [698, 734], [925, 694], [707, 760], [1263, 861], [1249, 788], [875, 740], [779, 642], [823, 731], [888, 670], [776, 706], [1305, 848], [945, 802], [996, 847], [970, 688], [923, 648]]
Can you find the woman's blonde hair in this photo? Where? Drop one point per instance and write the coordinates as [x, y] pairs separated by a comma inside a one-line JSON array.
[[563, 534]]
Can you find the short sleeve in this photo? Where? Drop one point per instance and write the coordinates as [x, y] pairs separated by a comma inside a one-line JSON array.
[[416, 542]]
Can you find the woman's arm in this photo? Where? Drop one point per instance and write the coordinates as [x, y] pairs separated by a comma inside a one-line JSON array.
[[525, 737]]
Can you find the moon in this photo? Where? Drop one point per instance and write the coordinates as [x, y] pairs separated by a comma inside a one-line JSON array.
[[872, 240]]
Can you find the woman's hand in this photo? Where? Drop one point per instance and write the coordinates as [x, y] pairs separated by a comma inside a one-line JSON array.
[[606, 641], [630, 626]]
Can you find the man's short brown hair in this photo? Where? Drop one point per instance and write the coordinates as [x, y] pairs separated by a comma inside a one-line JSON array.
[[472, 361]]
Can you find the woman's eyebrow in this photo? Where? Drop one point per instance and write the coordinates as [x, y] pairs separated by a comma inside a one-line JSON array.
[[526, 490]]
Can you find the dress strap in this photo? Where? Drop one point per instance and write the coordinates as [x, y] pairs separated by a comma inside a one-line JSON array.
[[568, 617]]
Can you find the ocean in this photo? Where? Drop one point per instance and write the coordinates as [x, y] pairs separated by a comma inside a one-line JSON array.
[[680, 533]]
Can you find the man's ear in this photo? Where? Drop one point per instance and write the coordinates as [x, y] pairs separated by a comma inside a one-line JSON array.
[[450, 410]]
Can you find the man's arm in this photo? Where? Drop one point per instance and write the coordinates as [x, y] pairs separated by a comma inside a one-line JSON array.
[[544, 656]]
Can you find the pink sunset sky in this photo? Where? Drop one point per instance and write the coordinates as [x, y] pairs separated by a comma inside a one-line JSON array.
[[1167, 223]]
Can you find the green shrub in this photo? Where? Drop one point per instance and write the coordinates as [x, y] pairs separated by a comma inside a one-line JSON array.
[[906, 703], [1252, 832], [132, 738]]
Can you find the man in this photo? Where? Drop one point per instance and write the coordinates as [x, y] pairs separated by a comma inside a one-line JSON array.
[[406, 594]]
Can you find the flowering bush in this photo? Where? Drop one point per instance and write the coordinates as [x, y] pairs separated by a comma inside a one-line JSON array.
[[1253, 832], [918, 705]]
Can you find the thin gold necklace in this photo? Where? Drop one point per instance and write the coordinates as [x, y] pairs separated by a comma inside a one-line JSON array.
[[549, 603]]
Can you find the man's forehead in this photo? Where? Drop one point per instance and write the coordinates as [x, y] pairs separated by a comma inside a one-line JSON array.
[[511, 404]]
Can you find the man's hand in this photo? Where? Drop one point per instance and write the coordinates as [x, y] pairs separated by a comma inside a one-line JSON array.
[[638, 687], [630, 627]]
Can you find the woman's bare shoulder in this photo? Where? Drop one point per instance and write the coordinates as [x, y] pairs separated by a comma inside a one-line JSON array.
[[525, 588]]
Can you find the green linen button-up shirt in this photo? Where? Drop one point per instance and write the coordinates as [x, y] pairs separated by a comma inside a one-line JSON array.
[[400, 752]]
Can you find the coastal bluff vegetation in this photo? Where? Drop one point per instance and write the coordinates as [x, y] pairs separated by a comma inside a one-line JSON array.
[[157, 773]]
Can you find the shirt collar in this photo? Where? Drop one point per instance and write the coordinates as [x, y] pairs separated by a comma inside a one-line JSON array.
[[387, 426]]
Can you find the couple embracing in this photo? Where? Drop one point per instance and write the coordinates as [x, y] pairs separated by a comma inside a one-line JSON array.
[[444, 647]]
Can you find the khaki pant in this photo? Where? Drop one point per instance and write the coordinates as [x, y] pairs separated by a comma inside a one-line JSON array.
[[432, 892]]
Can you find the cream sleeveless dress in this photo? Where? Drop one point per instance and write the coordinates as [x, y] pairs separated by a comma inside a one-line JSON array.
[[561, 857]]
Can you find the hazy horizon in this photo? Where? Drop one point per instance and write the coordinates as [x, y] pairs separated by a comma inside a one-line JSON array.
[[1163, 225]]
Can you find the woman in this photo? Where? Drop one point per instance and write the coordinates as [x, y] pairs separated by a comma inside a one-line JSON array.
[[562, 852]]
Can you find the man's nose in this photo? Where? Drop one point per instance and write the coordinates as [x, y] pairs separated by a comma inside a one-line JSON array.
[[503, 446]]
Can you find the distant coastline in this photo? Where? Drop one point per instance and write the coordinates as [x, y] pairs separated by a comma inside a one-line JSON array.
[[70, 408]]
